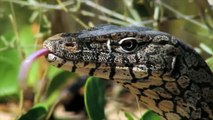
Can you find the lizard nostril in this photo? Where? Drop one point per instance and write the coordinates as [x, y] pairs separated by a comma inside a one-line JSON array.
[[71, 44]]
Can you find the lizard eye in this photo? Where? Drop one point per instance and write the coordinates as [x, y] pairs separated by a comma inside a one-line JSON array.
[[128, 44]]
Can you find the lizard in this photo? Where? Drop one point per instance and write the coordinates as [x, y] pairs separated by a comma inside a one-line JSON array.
[[163, 72]]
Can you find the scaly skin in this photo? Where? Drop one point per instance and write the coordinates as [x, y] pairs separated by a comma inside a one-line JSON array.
[[164, 73]]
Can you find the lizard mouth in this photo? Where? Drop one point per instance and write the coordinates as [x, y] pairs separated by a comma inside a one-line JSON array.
[[92, 69], [68, 65]]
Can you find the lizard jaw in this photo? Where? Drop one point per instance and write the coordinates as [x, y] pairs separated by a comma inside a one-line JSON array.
[[97, 70]]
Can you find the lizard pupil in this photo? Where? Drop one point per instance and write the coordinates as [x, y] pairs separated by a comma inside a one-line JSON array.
[[128, 44]]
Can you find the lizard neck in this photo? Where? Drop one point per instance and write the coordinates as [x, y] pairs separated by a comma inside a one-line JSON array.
[[188, 96]]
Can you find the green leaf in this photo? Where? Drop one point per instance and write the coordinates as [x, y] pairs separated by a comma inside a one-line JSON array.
[[55, 86], [27, 40], [38, 112], [150, 115], [59, 80], [8, 71], [94, 98], [128, 116]]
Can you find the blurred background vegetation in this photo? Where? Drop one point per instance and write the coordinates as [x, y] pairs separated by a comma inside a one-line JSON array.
[[25, 24]]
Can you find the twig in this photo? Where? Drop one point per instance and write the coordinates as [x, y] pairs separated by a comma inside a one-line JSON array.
[[39, 5], [182, 15], [131, 9], [111, 13]]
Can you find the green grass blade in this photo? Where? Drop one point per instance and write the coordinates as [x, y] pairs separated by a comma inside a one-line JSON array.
[[150, 115], [209, 61], [128, 116]]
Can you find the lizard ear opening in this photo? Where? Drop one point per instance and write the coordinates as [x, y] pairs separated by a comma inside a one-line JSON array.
[[159, 65]]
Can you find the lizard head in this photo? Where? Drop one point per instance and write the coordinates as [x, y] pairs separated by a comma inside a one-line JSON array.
[[130, 52], [162, 71]]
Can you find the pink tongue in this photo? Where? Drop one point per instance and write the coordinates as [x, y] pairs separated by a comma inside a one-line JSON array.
[[26, 64]]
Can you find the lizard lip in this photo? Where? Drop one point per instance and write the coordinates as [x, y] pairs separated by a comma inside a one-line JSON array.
[[67, 64], [52, 57]]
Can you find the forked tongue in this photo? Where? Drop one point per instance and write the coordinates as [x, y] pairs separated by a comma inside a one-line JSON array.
[[26, 64]]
